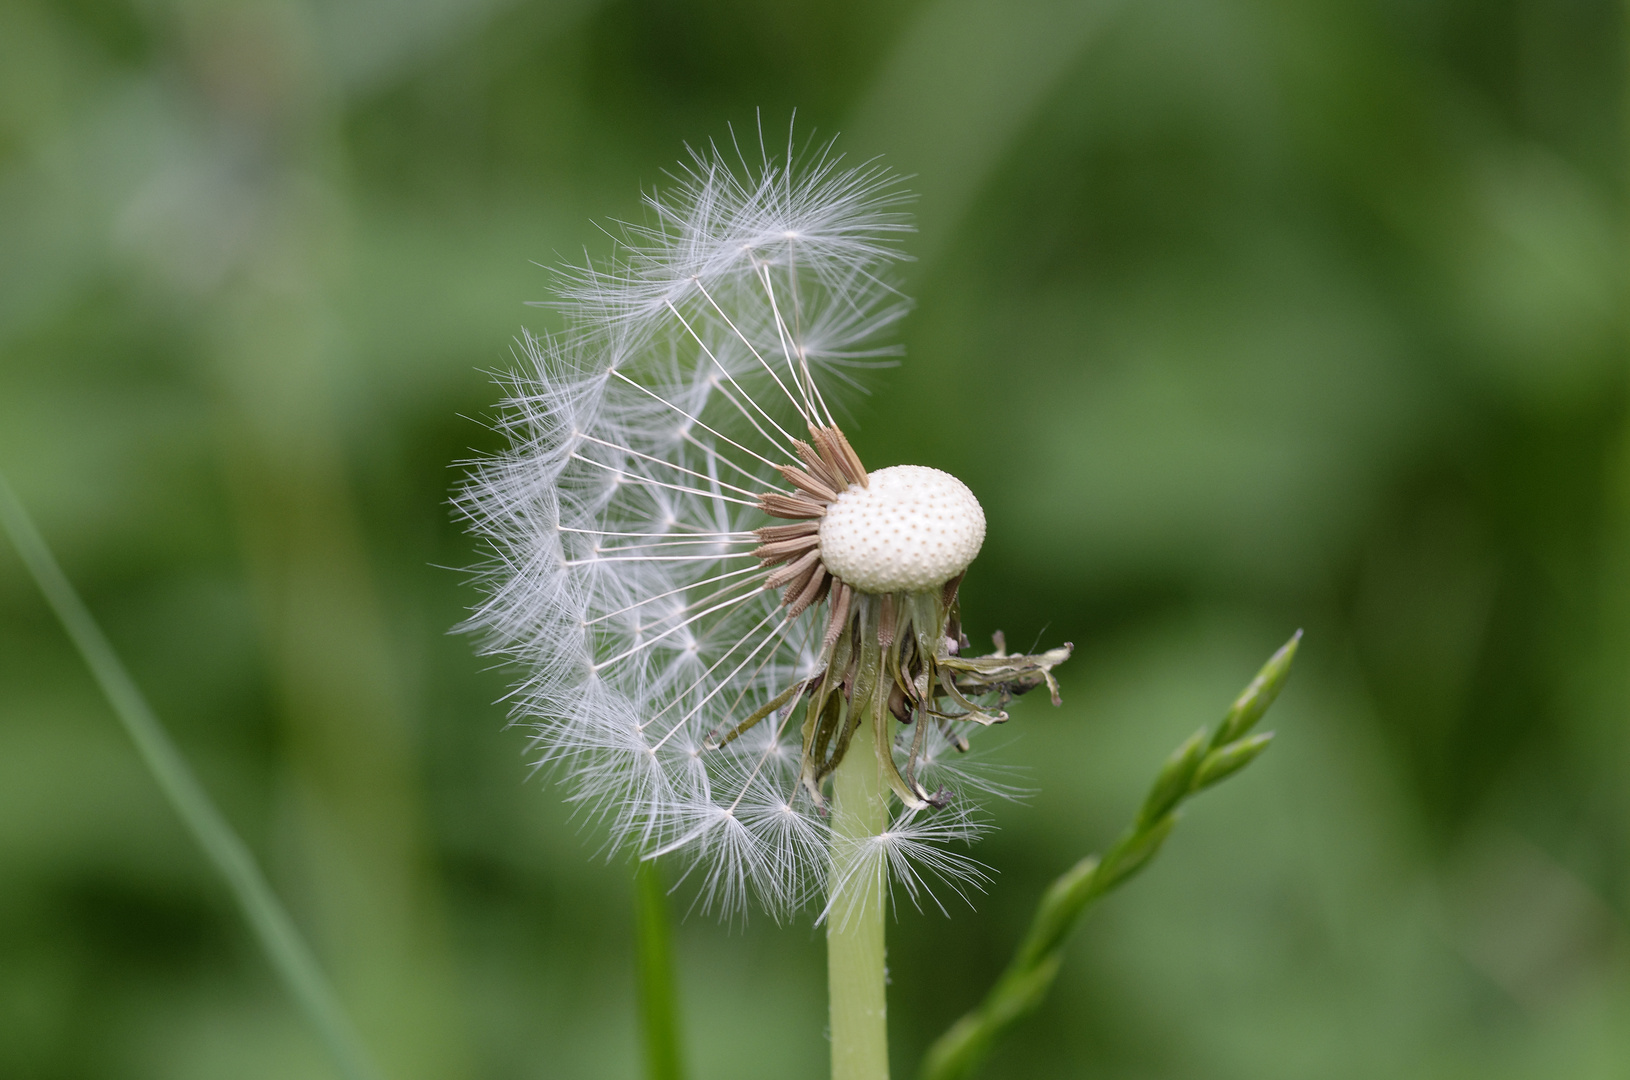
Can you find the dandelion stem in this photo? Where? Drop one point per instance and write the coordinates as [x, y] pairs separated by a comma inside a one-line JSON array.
[[659, 1013], [289, 955], [855, 956]]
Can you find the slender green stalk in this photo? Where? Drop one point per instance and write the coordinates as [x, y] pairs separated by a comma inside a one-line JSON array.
[[855, 956], [1203, 760], [284, 947], [659, 1012]]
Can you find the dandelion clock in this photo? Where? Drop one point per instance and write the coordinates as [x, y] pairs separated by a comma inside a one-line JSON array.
[[738, 637]]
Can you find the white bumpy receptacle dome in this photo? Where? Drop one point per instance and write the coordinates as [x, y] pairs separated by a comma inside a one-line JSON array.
[[911, 528]]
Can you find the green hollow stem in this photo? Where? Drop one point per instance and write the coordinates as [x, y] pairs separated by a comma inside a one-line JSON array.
[[658, 997], [279, 939], [855, 955]]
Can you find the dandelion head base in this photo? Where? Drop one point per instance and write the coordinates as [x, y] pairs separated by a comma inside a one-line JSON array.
[[911, 528]]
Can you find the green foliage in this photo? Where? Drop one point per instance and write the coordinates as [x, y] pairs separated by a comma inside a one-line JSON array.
[[286, 951], [1194, 766]]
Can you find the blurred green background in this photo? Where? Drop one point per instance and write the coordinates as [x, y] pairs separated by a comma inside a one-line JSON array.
[[1238, 315]]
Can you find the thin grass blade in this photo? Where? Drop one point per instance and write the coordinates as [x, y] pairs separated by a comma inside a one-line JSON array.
[[276, 932], [659, 1011]]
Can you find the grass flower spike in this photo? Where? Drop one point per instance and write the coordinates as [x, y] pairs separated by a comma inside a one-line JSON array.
[[716, 605]]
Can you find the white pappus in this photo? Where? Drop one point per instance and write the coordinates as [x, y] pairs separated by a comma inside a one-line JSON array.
[[702, 586]]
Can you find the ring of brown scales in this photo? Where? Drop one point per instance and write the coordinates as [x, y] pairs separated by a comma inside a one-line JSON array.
[[886, 552]]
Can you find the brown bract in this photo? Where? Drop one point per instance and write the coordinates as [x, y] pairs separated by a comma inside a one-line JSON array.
[[831, 467]]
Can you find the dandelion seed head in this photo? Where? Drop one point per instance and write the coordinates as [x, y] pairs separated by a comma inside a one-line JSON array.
[[684, 546]]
